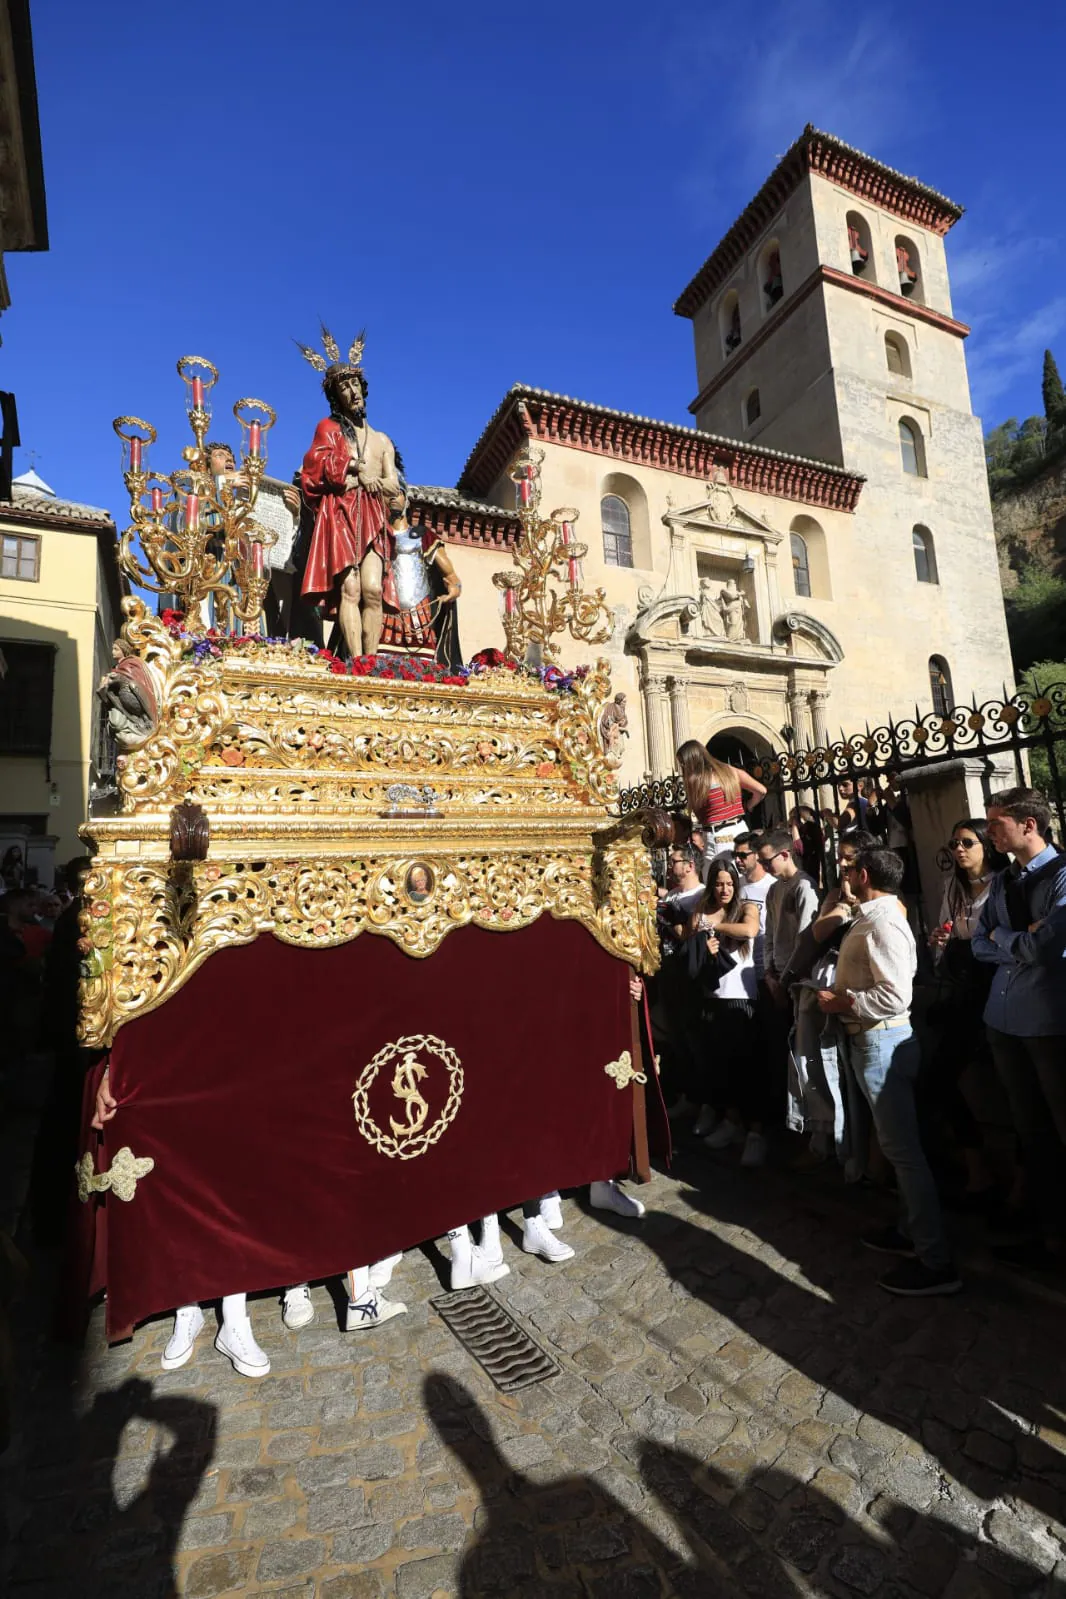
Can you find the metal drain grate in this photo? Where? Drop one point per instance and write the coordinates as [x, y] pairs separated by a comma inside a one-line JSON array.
[[499, 1345]]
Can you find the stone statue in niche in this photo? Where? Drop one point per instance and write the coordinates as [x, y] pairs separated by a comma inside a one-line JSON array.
[[710, 615], [614, 727], [733, 608]]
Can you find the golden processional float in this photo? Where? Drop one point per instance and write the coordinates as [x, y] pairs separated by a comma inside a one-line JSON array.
[[297, 1094]]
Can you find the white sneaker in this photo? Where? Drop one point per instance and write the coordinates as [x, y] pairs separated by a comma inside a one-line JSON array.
[[237, 1342], [608, 1196], [371, 1311], [680, 1107], [381, 1272], [724, 1134], [551, 1210], [754, 1151], [297, 1310], [706, 1121], [538, 1239], [470, 1265], [490, 1248], [188, 1322]]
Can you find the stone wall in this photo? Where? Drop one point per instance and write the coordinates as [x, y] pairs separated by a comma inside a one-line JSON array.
[[1031, 521]]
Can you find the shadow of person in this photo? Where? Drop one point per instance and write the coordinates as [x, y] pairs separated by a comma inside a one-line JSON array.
[[84, 1526], [571, 1536], [972, 1378]]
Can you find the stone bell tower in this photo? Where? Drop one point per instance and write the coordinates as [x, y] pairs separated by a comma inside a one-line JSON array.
[[823, 327]]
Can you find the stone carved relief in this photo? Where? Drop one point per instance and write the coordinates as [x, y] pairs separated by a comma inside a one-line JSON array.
[[737, 699], [734, 608]]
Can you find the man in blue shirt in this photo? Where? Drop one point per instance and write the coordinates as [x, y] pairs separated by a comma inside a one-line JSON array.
[[1022, 931]]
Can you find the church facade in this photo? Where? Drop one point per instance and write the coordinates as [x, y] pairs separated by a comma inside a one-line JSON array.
[[817, 551]]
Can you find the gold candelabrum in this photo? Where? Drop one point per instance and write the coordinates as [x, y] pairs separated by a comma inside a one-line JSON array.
[[193, 534], [543, 595]]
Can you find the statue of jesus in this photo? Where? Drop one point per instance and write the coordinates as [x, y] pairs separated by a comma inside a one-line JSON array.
[[350, 480]]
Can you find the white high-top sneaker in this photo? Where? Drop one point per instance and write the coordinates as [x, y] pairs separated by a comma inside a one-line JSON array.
[[188, 1322], [538, 1239], [237, 1342], [551, 1210], [608, 1196], [381, 1272], [371, 1311], [297, 1310], [470, 1264]]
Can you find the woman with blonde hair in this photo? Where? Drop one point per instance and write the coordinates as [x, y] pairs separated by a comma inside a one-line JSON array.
[[718, 794]]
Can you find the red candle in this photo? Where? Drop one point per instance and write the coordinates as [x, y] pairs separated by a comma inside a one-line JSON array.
[[508, 601], [525, 489], [136, 447], [257, 558], [255, 433], [192, 512], [197, 394], [157, 501], [572, 568]]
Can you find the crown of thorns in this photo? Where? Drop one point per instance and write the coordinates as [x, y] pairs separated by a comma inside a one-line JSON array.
[[331, 361]]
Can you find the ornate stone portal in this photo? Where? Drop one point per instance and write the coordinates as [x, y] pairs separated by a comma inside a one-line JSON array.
[[717, 649]]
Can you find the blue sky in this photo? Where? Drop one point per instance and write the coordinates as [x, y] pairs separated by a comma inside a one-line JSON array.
[[498, 194]]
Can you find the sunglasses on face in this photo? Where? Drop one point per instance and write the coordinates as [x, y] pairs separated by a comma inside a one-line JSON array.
[[964, 843], [743, 854]]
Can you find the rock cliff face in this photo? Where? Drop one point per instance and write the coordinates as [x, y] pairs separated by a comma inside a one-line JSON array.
[[1030, 523]]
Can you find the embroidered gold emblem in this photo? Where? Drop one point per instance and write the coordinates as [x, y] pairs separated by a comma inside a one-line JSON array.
[[623, 1070], [121, 1179], [416, 1059]]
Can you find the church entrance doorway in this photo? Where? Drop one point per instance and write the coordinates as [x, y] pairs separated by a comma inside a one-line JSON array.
[[739, 746]]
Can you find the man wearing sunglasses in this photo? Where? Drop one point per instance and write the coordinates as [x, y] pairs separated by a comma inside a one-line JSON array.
[[871, 996]]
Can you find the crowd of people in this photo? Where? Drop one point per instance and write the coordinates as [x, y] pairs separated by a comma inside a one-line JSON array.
[[785, 999]]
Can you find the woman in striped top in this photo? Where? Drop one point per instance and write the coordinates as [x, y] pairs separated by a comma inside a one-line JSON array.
[[718, 794]]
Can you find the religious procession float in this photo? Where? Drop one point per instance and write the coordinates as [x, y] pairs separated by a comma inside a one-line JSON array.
[[358, 930]]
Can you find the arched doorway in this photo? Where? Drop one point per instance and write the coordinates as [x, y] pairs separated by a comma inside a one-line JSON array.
[[739, 746]]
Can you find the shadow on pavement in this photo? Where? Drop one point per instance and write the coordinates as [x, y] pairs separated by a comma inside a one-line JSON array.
[[973, 1378], [572, 1536], [77, 1530]]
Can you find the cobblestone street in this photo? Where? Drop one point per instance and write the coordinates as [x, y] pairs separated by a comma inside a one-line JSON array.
[[740, 1411]]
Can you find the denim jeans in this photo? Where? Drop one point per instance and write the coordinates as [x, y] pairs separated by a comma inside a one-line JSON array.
[[885, 1063], [815, 1102]]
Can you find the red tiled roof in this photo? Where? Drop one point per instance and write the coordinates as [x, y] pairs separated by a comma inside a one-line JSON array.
[[526, 412]]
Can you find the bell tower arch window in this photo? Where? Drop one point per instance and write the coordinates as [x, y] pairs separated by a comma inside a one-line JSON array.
[[909, 270], [860, 250], [897, 355], [729, 323], [912, 448], [801, 565], [924, 555], [771, 281], [940, 684]]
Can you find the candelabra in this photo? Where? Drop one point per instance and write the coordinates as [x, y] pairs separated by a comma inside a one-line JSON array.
[[535, 608], [193, 534]]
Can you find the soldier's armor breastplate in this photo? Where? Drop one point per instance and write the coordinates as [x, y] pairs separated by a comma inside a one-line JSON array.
[[409, 570]]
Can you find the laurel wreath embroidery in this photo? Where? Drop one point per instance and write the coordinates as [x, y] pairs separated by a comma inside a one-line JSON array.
[[401, 1145]]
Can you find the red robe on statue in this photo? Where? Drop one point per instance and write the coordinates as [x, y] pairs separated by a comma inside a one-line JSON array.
[[348, 520]]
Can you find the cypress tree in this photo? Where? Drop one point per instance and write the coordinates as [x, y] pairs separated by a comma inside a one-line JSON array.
[[1054, 393]]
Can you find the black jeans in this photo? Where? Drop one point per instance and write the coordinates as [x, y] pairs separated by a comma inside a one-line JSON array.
[[1033, 1072]]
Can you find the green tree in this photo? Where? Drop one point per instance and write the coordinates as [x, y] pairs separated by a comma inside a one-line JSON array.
[[1036, 615], [1054, 393], [1036, 681]]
